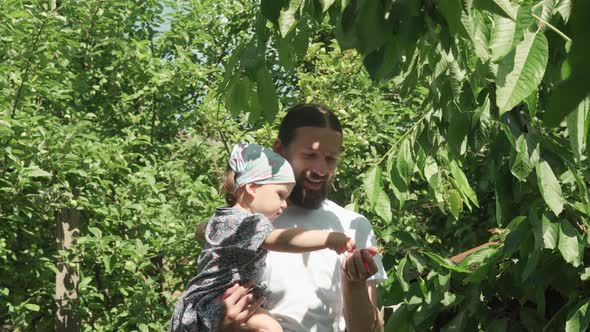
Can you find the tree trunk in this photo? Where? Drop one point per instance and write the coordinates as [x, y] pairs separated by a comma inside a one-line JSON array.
[[66, 280]]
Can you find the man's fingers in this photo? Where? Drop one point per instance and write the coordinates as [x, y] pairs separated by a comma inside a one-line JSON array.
[[229, 291], [248, 312], [241, 305], [238, 293], [351, 268], [370, 264], [360, 266]]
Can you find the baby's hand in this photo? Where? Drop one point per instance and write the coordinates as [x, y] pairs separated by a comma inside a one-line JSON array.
[[340, 243]]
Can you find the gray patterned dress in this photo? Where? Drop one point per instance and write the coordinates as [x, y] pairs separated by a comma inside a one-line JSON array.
[[232, 254]]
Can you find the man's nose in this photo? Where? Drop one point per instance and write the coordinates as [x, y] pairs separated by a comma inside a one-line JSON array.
[[320, 167]]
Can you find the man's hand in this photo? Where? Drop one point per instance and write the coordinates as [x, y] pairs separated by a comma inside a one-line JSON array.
[[236, 307], [360, 265], [340, 243]]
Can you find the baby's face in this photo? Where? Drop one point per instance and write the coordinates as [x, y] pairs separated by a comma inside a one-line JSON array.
[[271, 199]]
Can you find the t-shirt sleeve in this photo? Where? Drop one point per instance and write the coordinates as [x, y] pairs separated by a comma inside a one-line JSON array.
[[252, 231], [365, 238]]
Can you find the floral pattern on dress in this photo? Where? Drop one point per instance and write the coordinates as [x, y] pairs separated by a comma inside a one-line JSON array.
[[232, 254]]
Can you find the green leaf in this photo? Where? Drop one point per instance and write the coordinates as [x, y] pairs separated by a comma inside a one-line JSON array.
[[34, 171], [271, 9], [383, 207], [500, 7], [32, 307], [462, 183], [96, 232], [287, 18], [5, 130], [452, 12], [446, 263], [564, 8], [569, 93], [143, 327], [527, 156], [549, 187], [373, 184], [237, 93], [568, 244], [370, 26], [578, 317], [401, 274], [501, 37], [456, 203], [434, 179], [531, 263], [532, 103], [577, 126], [267, 94], [457, 133], [546, 231], [479, 256], [400, 321], [326, 4], [404, 161], [520, 72]]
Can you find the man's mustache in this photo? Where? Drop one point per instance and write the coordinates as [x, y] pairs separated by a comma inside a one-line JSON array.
[[316, 177]]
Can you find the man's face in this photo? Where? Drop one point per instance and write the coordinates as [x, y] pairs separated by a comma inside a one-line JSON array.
[[313, 154]]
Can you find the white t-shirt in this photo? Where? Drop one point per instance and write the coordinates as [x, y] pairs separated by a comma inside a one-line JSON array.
[[305, 288]]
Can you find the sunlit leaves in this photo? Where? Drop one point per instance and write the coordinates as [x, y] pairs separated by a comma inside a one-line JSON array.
[[568, 245], [373, 184], [578, 317], [546, 231], [500, 7], [456, 203], [578, 123], [549, 187], [463, 183], [287, 17], [521, 71], [501, 40], [527, 156], [404, 162], [376, 196]]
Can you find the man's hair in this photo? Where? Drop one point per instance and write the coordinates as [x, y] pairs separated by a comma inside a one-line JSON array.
[[307, 115]]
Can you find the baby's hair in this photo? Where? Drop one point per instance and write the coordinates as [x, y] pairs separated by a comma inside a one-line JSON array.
[[229, 186]]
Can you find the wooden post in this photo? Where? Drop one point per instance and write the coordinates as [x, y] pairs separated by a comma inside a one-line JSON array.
[[66, 280]]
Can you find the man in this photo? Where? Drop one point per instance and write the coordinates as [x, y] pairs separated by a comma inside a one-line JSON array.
[[316, 291]]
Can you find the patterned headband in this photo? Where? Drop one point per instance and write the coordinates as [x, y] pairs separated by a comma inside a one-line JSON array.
[[256, 164]]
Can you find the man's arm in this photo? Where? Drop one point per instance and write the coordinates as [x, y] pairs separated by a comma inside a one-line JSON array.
[[360, 297], [298, 240]]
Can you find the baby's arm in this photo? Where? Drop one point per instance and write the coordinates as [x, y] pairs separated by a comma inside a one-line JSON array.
[[298, 240]]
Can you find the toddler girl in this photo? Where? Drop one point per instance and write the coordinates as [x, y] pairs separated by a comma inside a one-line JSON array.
[[257, 184]]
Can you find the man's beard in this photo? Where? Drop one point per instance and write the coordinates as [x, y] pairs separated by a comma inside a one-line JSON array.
[[306, 198]]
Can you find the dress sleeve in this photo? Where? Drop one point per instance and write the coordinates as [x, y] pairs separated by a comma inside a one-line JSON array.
[[252, 231]]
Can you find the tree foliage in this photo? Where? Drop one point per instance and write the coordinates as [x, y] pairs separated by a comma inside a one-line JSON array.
[[487, 146], [453, 125]]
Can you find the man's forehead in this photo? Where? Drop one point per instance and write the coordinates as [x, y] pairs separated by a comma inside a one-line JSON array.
[[318, 139]]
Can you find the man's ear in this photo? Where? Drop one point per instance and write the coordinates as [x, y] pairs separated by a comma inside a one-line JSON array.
[[278, 147], [251, 189]]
